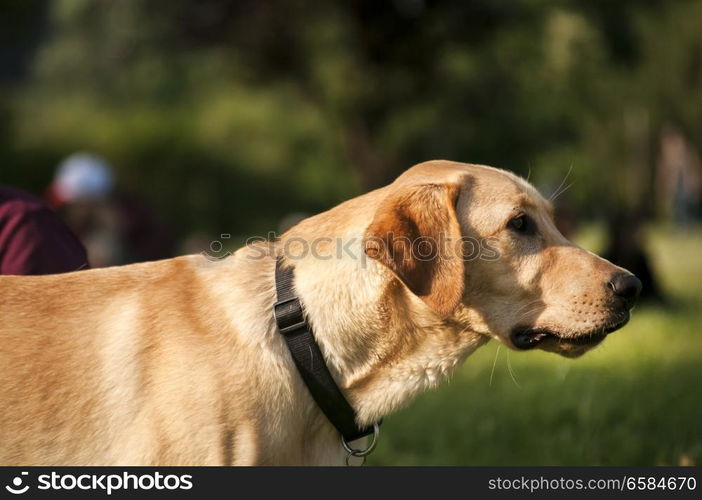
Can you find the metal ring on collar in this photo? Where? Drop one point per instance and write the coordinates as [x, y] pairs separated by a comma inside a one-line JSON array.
[[362, 453]]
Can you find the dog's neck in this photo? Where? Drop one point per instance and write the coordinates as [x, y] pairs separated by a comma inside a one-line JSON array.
[[380, 341]]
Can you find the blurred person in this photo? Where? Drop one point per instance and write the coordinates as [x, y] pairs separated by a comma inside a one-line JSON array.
[[33, 239], [115, 226], [679, 176], [80, 192], [625, 230]]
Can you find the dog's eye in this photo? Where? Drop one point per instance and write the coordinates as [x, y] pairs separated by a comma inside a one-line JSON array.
[[519, 224]]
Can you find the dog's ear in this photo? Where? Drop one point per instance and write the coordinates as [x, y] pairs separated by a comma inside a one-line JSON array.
[[415, 233]]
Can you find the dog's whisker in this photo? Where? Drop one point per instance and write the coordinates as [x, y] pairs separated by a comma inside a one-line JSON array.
[[529, 312], [534, 308], [562, 183], [562, 191], [494, 363], [527, 305], [511, 372]]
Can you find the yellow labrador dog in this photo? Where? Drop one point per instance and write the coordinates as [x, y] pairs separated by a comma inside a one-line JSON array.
[[180, 361]]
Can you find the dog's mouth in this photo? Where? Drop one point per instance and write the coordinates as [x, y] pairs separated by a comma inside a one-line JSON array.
[[528, 337]]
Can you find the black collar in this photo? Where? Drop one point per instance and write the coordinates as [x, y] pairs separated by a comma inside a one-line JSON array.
[[308, 358]]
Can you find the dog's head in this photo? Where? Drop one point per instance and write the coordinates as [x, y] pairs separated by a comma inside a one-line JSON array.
[[480, 245]]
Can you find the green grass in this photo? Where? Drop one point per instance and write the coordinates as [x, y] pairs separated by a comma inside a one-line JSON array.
[[635, 400]]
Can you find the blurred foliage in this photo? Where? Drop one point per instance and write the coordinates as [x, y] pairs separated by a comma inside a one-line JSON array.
[[228, 114]]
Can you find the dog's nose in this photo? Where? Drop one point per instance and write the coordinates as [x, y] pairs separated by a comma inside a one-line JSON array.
[[627, 287]]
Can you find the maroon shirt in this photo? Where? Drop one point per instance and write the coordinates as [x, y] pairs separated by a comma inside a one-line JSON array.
[[33, 239]]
